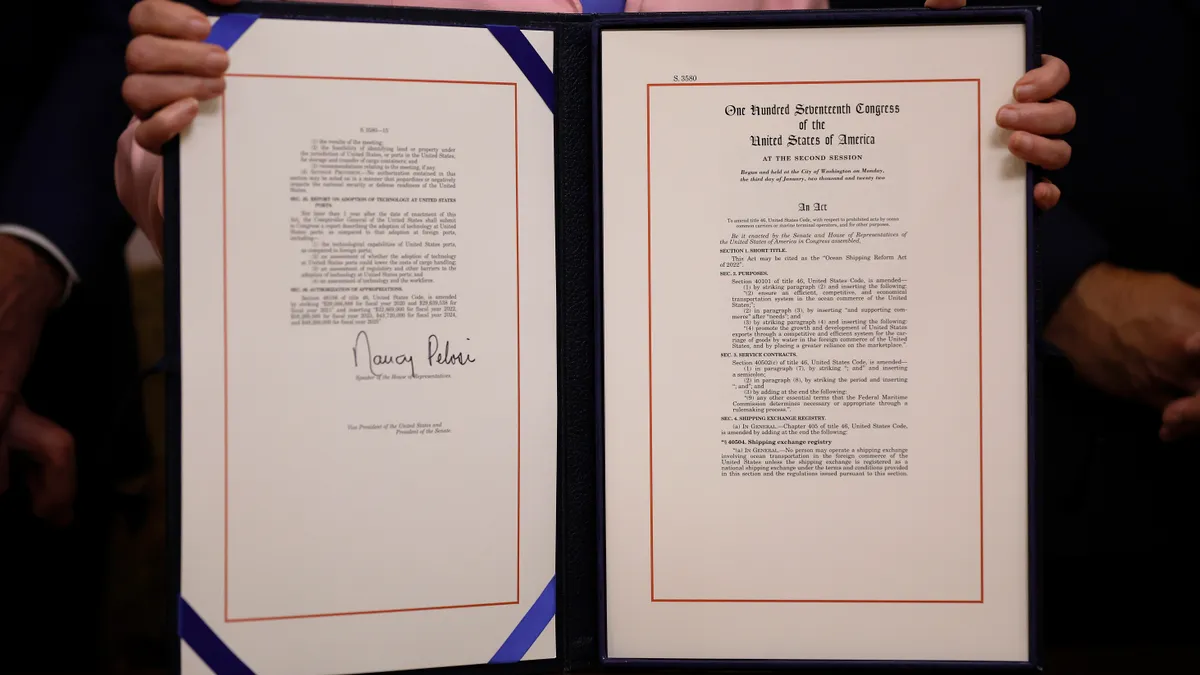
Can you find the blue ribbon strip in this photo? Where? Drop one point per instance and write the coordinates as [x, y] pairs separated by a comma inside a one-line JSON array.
[[529, 629], [229, 28], [603, 6], [528, 60], [219, 658]]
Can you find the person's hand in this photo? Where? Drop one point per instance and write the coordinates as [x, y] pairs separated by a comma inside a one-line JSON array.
[[1035, 118], [170, 68], [31, 285], [1133, 334], [1181, 417], [52, 452]]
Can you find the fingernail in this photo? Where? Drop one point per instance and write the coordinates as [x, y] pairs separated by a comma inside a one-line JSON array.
[[1022, 142], [199, 26], [215, 86], [1024, 92], [1007, 117], [217, 61]]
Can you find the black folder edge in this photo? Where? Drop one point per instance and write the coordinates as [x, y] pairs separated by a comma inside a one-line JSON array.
[[1030, 17], [580, 619]]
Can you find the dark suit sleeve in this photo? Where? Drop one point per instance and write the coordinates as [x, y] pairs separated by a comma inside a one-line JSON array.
[[1067, 245], [59, 180]]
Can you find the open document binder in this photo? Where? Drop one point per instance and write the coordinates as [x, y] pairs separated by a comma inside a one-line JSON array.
[[532, 343]]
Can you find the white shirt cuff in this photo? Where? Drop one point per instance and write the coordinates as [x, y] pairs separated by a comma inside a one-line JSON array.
[[46, 245]]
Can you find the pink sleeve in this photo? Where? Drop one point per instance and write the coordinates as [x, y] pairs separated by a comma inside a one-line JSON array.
[[559, 6], [139, 185], [720, 5]]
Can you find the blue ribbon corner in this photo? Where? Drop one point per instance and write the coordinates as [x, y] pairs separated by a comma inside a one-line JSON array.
[[229, 28], [219, 658], [528, 60], [529, 628]]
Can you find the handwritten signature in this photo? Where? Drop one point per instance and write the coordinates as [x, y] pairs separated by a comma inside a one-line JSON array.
[[437, 353]]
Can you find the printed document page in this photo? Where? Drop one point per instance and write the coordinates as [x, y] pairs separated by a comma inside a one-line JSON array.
[[368, 341], [815, 344]]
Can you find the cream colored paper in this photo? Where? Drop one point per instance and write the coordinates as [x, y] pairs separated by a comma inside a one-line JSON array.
[[368, 340], [815, 345]]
